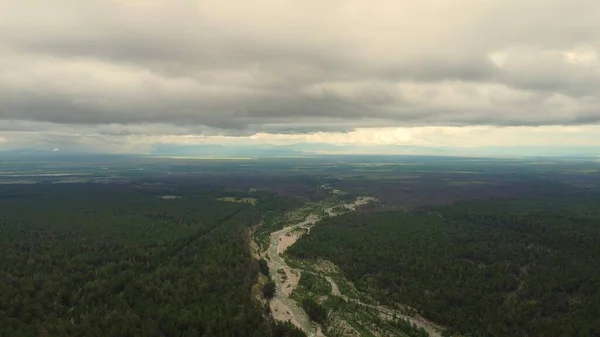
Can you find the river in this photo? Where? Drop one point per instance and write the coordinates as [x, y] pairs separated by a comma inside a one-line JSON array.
[[286, 278]]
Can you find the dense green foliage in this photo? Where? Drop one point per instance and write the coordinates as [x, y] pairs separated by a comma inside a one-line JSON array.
[[263, 267], [94, 260], [269, 290], [314, 311], [314, 284], [111, 258], [409, 329], [287, 330], [483, 268]]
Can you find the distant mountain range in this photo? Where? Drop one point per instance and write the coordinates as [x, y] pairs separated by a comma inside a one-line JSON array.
[[308, 149], [50, 155], [268, 150]]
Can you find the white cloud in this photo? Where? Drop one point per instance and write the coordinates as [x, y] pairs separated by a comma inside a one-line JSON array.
[[129, 73], [143, 139]]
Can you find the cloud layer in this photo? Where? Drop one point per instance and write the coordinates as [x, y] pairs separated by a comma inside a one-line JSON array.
[[241, 68]]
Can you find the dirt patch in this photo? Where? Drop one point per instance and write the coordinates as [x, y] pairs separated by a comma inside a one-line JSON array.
[[282, 313], [291, 282], [285, 241], [251, 201], [335, 290], [320, 331]]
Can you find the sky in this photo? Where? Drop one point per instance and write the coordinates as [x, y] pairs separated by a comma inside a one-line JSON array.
[[127, 76]]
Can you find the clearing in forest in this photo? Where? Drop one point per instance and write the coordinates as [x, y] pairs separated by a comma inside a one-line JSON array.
[[251, 201]]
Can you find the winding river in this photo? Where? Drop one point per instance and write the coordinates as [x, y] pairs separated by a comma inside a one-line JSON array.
[[283, 308], [286, 278]]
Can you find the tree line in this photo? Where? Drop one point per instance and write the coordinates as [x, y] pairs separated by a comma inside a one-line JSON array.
[[481, 268], [94, 260]]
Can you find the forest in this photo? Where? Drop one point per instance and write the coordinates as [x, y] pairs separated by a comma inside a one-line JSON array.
[[497, 267], [160, 247], [118, 260]]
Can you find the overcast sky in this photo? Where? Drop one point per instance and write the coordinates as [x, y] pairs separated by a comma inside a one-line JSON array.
[[125, 75]]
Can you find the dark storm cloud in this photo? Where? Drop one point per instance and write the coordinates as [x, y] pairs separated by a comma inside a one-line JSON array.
[[281, 66]]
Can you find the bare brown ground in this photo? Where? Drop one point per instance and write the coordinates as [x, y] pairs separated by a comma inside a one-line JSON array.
[[291, 282], [285, 241], [281, 312]]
